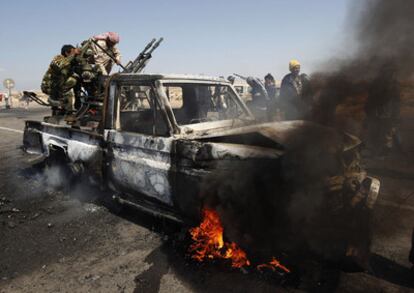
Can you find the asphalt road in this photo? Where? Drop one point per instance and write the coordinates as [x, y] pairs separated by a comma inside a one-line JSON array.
[[66, 240]]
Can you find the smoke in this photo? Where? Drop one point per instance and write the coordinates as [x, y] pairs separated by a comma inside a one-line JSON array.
[[381, 32], [57, 178], [53, 177], [285, 204], [384, 34], [381, 35], [270, 206]]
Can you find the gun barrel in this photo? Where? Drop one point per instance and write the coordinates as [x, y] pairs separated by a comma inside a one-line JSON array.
[[156, 45], [139, 62], [240, 76], [143, 58], [149, 45]]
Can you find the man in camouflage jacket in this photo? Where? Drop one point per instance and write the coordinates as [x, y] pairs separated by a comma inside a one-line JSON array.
[[59, 80]]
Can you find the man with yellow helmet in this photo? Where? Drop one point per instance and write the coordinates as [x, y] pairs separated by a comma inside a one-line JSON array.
[[291, 99]]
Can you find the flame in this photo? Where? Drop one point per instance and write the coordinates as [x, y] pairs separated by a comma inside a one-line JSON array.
[[273, 265], [209, 244]]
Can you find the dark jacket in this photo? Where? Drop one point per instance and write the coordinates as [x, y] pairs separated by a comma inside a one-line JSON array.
[[291, 97]]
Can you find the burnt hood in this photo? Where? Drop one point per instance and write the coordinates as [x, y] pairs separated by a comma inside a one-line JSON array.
[[286, 134]]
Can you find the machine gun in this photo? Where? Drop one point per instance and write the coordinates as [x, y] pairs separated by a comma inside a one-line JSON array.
[[142, 59]]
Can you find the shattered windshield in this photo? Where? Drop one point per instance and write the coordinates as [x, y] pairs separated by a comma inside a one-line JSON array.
[[195, 103]]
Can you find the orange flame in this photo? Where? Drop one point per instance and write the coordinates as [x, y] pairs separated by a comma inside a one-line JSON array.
[[209, 244], [273, 265]]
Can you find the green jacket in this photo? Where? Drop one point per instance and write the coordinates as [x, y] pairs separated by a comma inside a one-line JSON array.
[[59, 76]]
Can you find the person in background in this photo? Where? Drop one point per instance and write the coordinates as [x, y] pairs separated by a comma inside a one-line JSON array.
[[291, 97], [270, 85], [273, 107]]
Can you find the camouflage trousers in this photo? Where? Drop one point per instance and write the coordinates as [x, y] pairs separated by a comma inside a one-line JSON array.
[[61, 96], [63, 101]]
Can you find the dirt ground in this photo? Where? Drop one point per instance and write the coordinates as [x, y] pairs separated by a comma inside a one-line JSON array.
[[68, 240]]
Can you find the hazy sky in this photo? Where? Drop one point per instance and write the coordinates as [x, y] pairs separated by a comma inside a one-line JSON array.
[[209, 37]]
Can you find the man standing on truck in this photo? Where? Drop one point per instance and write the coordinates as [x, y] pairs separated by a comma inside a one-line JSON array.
[[59, 80], [291, 93], [106, 51]]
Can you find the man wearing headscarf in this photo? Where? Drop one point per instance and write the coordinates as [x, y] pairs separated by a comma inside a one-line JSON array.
[[291, 93], [106, 44]]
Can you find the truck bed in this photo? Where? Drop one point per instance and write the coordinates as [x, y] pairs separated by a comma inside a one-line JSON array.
[[78, 144]]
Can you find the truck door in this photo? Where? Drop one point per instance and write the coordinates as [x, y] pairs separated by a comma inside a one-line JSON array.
[[139, 146]]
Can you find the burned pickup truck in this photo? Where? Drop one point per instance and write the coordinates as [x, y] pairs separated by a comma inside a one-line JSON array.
[[172, 144]]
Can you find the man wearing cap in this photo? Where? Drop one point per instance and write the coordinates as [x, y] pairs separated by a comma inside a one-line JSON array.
[[106, 44], [291, 93], [59, 80]]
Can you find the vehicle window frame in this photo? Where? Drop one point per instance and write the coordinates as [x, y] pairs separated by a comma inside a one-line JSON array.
[[238, 100], [154, 106]]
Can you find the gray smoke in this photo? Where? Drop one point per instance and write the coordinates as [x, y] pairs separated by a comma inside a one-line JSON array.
[[381, 32], [283, 205], [268, 206]]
